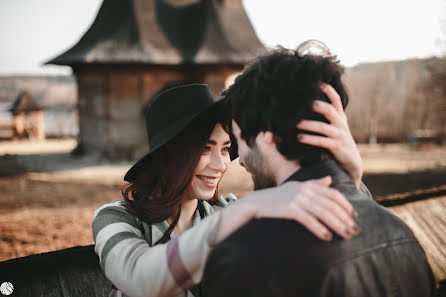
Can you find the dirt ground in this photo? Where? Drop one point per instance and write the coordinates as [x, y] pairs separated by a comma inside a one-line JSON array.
[[52, 210]]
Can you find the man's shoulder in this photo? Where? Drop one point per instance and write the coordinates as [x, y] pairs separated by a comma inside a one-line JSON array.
[[266, 239], [259, 237], [273, 254]]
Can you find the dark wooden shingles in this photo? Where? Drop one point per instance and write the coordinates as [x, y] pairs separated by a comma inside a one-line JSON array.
[[443, 202], [427, 219], [161, 33], [430, 249]]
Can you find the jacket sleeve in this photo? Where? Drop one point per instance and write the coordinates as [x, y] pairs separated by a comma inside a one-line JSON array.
[[136, 268]]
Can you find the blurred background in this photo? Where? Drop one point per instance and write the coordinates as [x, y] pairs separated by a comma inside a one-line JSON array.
[[75, 77]]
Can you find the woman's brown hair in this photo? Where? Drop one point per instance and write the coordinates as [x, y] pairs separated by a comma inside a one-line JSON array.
[[160, 188]]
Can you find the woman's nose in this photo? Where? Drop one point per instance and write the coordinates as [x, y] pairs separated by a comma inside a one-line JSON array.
[[217, 162]]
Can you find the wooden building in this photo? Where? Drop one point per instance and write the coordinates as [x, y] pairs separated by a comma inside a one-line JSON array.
[[136, 48], [28, 121]]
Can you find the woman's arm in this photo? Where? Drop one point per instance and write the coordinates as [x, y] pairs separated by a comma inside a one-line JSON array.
[[339, 139], [137, 269], [312, 204]]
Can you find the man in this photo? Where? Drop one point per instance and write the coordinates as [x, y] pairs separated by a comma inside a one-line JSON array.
[[270, 257]]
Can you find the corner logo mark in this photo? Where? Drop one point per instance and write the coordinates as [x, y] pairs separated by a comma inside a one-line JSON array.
[[6, 288]]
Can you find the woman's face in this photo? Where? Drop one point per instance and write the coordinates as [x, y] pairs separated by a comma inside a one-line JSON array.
[[212, 165]]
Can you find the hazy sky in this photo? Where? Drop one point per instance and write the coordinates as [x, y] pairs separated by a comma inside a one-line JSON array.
[[33, 31]]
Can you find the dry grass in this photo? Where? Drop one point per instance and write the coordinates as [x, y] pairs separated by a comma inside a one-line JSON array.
[[38, 217], [37, 230]]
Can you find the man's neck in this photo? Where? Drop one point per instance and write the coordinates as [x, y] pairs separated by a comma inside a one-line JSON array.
[[283, 168]]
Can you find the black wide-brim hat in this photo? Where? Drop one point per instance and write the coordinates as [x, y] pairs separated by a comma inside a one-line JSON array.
[[170, 113]]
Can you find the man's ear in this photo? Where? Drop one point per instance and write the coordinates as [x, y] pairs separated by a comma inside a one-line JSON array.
[[269, 137], [265, 138]]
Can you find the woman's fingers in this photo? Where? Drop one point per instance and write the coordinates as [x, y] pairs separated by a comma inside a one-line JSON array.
[[319, 141], [313, 225], [333, 96], [318, 127], [326, 205], [334, 198], [337, 137], [313, 204], [332, 215], [333, 115], [329, 218]]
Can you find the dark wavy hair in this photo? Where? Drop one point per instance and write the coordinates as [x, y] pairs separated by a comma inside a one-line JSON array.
[[161, 187], [277, 90]]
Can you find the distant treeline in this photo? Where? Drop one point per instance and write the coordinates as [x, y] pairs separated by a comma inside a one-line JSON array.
[[389, 101], [397, 101]]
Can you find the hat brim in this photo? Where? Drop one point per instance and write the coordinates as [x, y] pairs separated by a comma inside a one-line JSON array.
[[136, 169]]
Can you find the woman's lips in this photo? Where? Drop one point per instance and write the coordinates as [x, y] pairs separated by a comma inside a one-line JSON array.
[[208, 181]]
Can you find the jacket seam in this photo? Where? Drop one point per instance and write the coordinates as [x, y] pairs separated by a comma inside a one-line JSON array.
[[373, 250]]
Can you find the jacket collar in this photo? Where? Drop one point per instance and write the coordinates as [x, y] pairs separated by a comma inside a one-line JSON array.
[[321, 169]]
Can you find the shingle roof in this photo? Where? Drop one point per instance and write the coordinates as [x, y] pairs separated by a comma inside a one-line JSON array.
[[24, 103], [166, 32]]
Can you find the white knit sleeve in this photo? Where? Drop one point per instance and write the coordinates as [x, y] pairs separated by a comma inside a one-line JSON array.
[[137, 269]]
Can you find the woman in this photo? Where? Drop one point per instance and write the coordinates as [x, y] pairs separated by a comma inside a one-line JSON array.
[[156, 241]]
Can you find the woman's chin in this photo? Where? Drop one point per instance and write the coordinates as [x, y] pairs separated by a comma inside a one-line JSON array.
[[205, 198], [205, 195]]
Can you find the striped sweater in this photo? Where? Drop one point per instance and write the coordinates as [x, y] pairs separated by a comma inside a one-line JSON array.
[[135, 267]]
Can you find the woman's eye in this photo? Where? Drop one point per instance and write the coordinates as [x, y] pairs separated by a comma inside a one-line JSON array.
[[206, 149], [227, 149]]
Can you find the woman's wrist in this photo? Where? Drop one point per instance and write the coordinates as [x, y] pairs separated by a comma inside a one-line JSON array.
[[357, 177]]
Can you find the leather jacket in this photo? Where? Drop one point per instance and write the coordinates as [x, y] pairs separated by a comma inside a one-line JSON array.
[[269, 257]]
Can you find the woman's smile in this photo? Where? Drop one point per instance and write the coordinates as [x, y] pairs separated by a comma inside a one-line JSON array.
[[209, 181]]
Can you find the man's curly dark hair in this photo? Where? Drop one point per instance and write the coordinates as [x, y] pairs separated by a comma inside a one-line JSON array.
[[277, 90]]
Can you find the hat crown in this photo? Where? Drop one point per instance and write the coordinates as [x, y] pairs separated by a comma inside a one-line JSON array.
[[169, 114], [172, 110]]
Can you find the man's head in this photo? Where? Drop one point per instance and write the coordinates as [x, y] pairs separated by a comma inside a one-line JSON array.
[[271, 96]]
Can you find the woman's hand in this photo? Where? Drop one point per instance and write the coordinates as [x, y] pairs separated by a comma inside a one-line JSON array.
[[313, 205], [339, 139]]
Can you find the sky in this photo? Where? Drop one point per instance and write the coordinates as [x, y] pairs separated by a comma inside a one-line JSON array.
[[34, 31]]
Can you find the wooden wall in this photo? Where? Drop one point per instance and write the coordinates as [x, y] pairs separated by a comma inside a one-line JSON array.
[[111, 102]]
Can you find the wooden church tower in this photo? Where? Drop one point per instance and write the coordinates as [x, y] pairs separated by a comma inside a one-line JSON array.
[[136, 48]]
